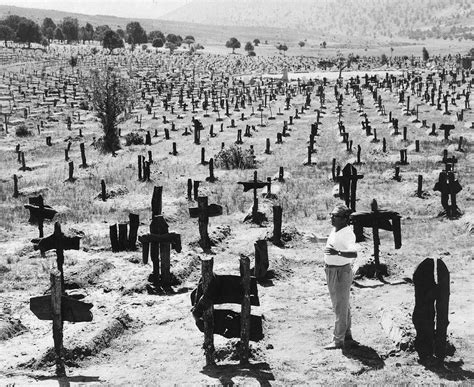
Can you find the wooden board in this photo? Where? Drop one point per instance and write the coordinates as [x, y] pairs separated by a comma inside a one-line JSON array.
[[227, 289], [71, 309], [227, 324], [431, 299]]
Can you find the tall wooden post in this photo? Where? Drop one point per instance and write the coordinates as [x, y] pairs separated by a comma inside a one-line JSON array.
[[83, 155], [157, 201], [419, 190], [16, 193], [56, 293], [103, 190], [208, 315], [261, 258], [245, 311], [203, 221]]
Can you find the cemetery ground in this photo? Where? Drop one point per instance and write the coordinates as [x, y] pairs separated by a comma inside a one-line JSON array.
[[143, 335]]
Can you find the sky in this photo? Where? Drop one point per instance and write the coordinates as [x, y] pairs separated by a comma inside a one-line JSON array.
[[124, 8]]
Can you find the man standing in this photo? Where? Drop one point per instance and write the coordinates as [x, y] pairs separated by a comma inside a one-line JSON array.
[[339, 254]]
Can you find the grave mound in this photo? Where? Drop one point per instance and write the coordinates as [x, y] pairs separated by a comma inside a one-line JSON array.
[[10, 327], [114, 328], [88, 274]]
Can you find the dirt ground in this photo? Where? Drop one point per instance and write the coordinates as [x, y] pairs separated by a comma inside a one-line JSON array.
[[144, 336]]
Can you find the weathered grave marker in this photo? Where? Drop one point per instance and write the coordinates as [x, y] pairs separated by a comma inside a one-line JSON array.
[[449, 187], [254, 185], [59, 242], [59, 307], [227, 289], [158, 243], [377, 220], [430, 315], [39, 212], [203, 212], [348, 185]]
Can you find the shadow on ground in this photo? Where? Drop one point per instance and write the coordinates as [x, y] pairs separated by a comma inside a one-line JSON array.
[[365, 355], [451, 370], [259, 371]]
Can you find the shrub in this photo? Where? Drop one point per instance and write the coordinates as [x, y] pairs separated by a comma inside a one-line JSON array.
[[23, 131], [252, 53], [235, 157], [84, 105], [133, 138]]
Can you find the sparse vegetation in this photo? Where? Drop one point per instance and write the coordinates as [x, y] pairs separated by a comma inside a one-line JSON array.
[[133, 138], [235, 157], [23, 131]]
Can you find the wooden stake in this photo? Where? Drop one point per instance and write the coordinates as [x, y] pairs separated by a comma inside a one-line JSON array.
[[208, 316], [56, 293], [245, 312]]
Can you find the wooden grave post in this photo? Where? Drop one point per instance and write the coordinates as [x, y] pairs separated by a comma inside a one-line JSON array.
[[158, 243], [83, 155], [203, 212], [261, 259], [348, 185], [58, 307], [449, 187], [59, 242], [430, 315], [227, 289], [157, 201], [39, 212], [254, 185], [377, 220]]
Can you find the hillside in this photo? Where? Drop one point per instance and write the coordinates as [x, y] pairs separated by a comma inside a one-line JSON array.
[[374, 19], [203, 33]]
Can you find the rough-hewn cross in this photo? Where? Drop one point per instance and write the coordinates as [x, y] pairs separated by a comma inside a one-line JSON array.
[[254, 185], [348, 185], [59, 242], [449, 187], [203, 212], [377, 220], [157, 244]]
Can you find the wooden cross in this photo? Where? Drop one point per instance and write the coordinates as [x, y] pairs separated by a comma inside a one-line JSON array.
[[59, 242], [59, 307], [377, 219], [39, 212], [203, 212], [449, 187], [446, 128], [348, 185], [157, 243], [254, 185]]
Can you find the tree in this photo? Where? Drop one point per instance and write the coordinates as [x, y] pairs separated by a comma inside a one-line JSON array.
[[383, 59], [425, 54], [112, 40], [157, 43], [110, 94], [249, 47], [136, 33], [343, 62], [282, 47], [121, 33], [100, 31], [70, 28], [28, 32], [175, 39], [323, 44], [6, 33], [156, 35], [256, 42], [301, 43], [233, 43], [171, 46], [48, 27], [58, 34], [189, 40], [86, 33], [13, 21]]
